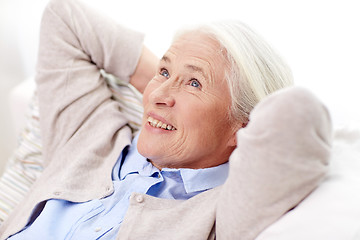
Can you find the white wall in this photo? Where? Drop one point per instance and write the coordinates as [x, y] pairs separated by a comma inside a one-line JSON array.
[[319, 39]]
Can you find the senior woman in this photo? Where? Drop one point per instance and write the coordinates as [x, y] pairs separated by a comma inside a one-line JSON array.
[[171, 181]]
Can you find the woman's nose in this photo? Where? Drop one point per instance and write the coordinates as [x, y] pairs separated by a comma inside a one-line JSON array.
[[163, 95]]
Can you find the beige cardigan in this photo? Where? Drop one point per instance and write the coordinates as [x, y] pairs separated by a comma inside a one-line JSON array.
[[281, 155]]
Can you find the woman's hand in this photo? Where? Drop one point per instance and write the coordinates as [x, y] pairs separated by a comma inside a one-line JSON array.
[[145, 69]]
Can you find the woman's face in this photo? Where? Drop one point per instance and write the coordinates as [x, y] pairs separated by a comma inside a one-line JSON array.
[[186, 120]]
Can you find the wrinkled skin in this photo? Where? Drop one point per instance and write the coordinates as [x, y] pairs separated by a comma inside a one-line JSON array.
[[190, 96]]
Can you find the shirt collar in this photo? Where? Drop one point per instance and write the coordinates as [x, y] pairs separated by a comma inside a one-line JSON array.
[[134, 162], [203, 179]]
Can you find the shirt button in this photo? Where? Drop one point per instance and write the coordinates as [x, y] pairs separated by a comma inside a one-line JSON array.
[[57, 193], [139, 198], [97, 229]]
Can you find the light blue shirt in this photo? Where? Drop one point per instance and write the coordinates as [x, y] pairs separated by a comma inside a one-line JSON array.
[[101, 218]]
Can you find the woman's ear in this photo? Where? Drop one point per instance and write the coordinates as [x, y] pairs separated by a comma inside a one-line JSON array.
[[233, 141]]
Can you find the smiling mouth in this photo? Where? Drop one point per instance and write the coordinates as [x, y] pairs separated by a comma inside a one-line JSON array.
[[159, 124]]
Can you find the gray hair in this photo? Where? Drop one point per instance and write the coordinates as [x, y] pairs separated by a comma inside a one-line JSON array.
[[255, 70]]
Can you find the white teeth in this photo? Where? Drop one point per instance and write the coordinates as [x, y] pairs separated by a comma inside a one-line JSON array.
[[159, 124]]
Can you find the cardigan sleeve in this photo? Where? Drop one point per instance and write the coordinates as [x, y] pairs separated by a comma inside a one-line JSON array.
[[75, 43], [281, 157]]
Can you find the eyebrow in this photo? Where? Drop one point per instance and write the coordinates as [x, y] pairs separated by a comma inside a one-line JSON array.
[[193, 68], [165, 59]]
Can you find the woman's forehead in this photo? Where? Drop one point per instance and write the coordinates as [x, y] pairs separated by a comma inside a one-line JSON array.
[[197, 42], [199, 51]]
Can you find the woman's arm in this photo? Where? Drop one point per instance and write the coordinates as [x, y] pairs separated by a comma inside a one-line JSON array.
[[282, 155], [75, 42], [145, 70]]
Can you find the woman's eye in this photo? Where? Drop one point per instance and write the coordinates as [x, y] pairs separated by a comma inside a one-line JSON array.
[[195, 83], [164, 73]]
